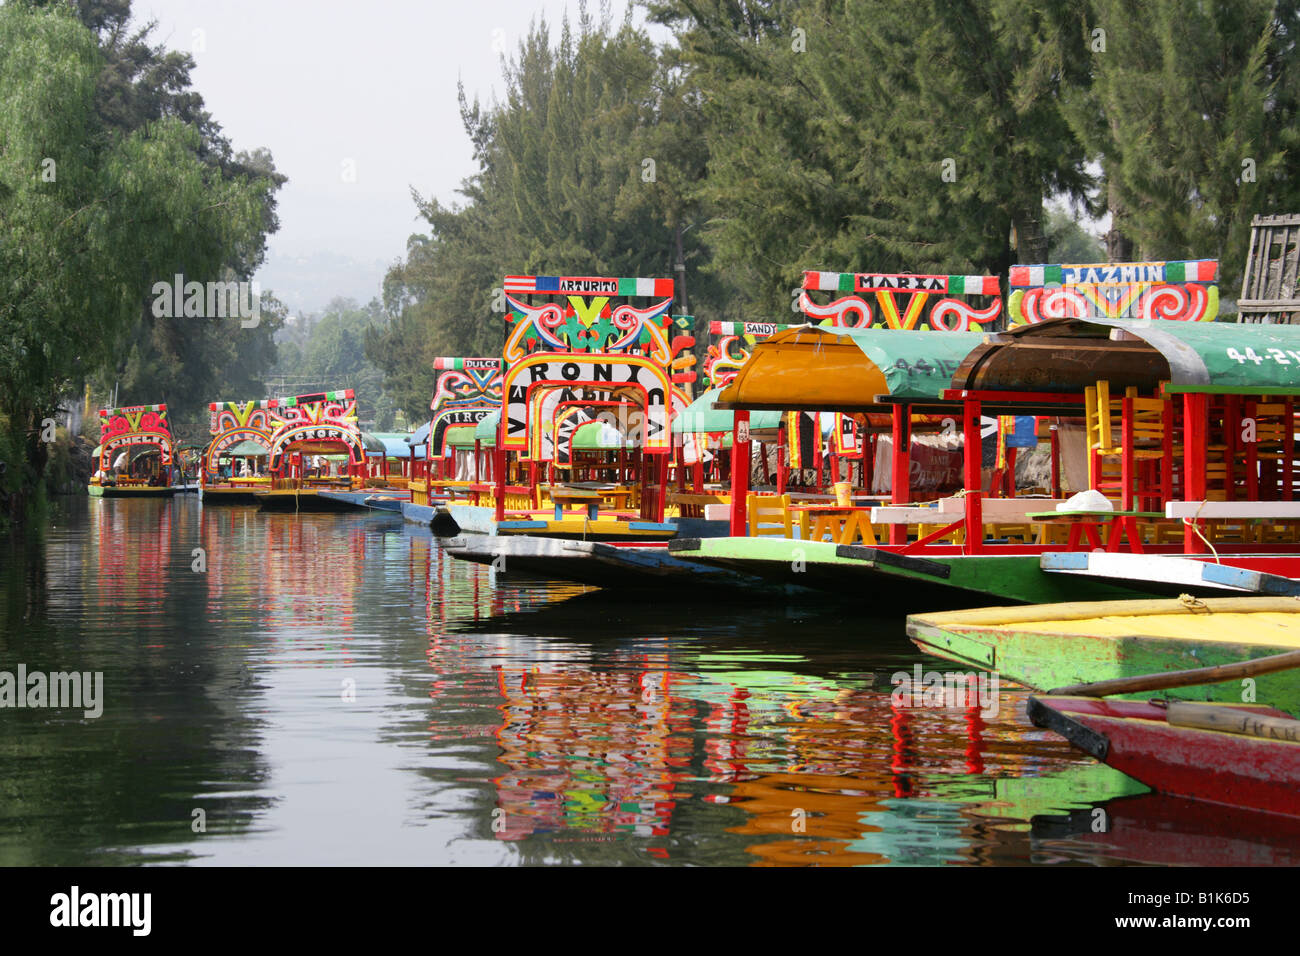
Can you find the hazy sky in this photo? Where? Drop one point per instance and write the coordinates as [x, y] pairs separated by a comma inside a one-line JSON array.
[[342, 91]]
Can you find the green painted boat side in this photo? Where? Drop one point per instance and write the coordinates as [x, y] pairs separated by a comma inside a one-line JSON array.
[[1045, 661], [912, 582]]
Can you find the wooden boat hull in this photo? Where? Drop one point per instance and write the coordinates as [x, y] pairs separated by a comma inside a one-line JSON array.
[[1135, 738], [452, 520], [306, 500], [1057, 645], [907, 582], [649, 569], [1172, 575], [227, 496], [112, 491]]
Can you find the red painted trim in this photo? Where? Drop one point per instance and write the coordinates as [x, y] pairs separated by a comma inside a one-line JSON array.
[[1049, 398], [1195, 431], [973, 458], [900, 432], [740, 458]]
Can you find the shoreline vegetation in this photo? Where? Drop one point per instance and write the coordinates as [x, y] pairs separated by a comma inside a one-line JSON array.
[[749, 147]]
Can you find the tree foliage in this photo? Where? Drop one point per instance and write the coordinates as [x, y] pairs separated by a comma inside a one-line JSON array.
[[587, 166], [95, 209], [1191, 109]]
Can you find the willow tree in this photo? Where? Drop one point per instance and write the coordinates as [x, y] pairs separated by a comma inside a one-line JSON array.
[[90, 218]]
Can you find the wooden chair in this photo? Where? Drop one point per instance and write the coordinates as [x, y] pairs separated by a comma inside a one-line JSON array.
[[1133, 459], [769, 516]]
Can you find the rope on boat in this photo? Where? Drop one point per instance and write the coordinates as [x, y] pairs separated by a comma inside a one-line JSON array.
[[1191, 523], [1194, 604]]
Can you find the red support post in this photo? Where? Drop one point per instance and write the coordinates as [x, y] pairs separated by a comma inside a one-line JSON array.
[[1288, 452], [900, 490], [499, 467], [1127, 479], [1054, 434], [817, 452], [661, 495], [1195, 440], [740, 462], [782, 458], [973, 456]]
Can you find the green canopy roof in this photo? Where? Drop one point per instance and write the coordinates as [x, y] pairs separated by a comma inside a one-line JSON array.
[[245, 449], [916, 363], [460, 436], [824, 368], [599, 436], [486, 430], [1067, 355], [700, 416]]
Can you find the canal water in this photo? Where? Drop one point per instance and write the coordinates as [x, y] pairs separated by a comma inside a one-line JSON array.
[[325, 689]]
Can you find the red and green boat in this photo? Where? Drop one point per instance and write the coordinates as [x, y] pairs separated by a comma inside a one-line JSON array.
[[1250, 760]]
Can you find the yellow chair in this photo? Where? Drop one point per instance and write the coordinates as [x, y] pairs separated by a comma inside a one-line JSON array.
[[769, 516]]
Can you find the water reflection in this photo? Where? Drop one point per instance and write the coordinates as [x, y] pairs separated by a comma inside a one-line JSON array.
[[337, 689]]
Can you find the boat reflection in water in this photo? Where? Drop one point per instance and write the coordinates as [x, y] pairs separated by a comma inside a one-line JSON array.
[[718, 744], [497, 722]]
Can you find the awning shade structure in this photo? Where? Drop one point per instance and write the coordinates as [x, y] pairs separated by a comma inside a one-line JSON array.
[[1068, 355], [420, 436], [486, 430], [599, 436], [814, 368], [389, 445], [460, 436], [700, 417], [246, 449]]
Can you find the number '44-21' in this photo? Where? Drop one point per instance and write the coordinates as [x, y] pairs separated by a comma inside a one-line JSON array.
[[1277, 355]]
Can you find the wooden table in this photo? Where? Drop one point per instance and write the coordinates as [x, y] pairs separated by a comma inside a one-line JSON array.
[[844, 525], [576, 496], [1089, 523]]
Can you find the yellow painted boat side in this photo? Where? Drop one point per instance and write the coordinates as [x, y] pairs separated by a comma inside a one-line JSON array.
[[1254, 620]]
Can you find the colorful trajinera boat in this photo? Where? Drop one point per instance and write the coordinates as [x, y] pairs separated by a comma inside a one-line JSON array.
[[590, 387], [1058, 645], [235, 464], [466, 391], [1186, 427], [1240, 755], [316, 456], [135, 453]]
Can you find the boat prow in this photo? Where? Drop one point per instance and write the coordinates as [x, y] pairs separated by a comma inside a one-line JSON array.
[[1241, 755], [1058, 645]]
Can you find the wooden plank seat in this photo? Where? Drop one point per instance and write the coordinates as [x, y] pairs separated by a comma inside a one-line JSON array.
[[1260, 522]]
